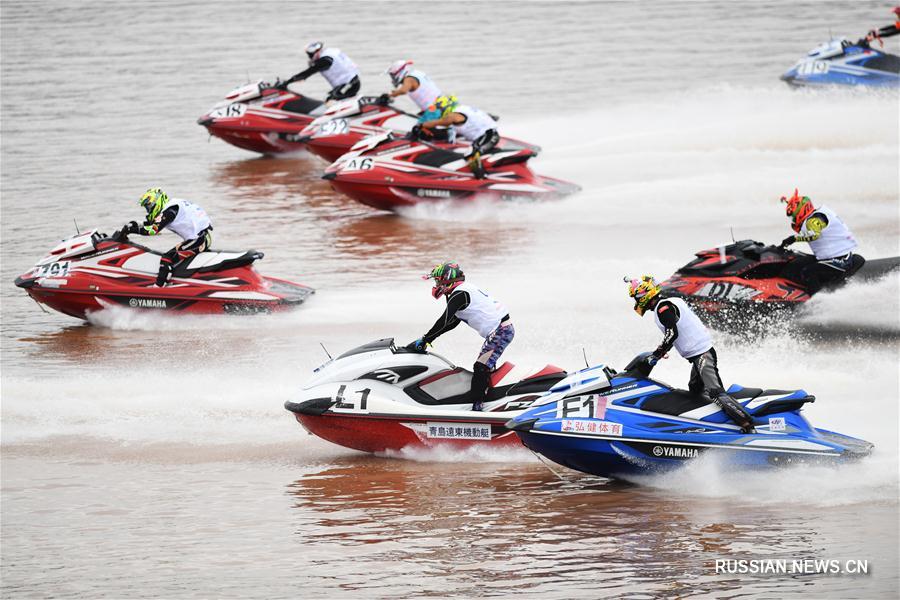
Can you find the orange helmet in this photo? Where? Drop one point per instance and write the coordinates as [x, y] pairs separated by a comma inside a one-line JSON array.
[[798, 209]]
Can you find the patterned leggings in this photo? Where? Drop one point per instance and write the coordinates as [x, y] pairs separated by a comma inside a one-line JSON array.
[[495, 344]]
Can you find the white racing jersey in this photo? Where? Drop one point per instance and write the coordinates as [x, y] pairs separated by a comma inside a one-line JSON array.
[[342, 69], [477, 122], [483, 313], [835, 240], [427, 92], [190, 220], [693, 337]]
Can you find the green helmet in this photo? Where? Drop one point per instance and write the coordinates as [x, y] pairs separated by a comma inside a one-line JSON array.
[[154, 201], [446, 276]]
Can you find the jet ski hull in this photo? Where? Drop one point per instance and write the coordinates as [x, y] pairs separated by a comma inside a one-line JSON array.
[[90, 272], [388, 433], [262, 119], [841, 63], [630, 425], [383, 398]]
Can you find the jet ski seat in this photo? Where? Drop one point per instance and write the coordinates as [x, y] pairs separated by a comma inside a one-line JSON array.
[[679, 402], [303, 105], [215, 260]]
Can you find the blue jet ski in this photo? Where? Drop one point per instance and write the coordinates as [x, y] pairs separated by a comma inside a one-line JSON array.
[[841, 62], [615, 424]]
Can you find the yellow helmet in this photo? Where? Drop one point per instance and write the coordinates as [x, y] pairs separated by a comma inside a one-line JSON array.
[[154, 201], [643, 290], [445, 104]]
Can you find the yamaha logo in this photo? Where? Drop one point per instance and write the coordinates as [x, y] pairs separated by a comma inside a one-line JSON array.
[[426, 193], [147, 303], [675, 452]]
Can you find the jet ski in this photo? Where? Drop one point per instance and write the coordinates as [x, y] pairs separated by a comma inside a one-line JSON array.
[[732, 285], [345, 123], [91, 271], [262, 117], [388, 173], [380, 397], [620, 424], [841, 62]]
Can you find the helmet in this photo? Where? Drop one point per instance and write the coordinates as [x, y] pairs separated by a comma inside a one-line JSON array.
[[313, 49], [398, 70], [896, 11], [798, 209], [446, 277], [643, 290], [445, 104], [154, 201]]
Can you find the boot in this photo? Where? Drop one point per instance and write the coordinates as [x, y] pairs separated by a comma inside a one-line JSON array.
[[476, 166], [481, 376], [736, 412]]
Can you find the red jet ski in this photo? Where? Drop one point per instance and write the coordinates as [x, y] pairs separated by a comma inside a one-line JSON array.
[[262, 118], [90, 272], [390, 173], [344, 124], [733, 285]]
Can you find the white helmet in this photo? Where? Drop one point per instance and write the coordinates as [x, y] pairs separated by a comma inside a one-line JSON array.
[[398, 70], [313, 49]]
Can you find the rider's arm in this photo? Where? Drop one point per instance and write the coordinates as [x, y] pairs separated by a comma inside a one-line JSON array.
[[668, 316], [815, 224], [158, 224], [445, 121], [405, 87], [457, 301], [888, 30], [322, 63]]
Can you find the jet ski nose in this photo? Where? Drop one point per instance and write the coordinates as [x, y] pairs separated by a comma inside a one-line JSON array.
[[329, 176], [205, 121]]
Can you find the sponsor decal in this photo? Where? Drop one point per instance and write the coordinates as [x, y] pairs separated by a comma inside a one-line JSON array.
[[387, 375], [458, 431], [147, 303], [620, 388], [777, 424], [588, 426], [675, 452], [425, 193]]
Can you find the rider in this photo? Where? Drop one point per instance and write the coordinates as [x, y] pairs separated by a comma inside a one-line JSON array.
[[335, 66], [828, 237], [180, 216], [469, 123], [682, 329], [467, 303], [416, 84], [887, 30]]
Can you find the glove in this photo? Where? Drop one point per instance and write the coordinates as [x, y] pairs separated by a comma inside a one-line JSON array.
[[787, 241], [652, 360], [416, 346], [416, 132], [383, 100]]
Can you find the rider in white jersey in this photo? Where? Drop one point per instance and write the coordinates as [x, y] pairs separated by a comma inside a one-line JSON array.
[[336, 67], [829, 238], [183, 218], [468, 304], [414, 83], [469, 123], [683, 330]]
